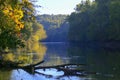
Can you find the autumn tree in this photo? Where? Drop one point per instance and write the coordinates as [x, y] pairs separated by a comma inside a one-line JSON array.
[[11, 23], [17, 18]]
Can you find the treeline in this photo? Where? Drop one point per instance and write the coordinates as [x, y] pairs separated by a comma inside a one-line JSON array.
[[56, 27], [18, 26], [95, 21]]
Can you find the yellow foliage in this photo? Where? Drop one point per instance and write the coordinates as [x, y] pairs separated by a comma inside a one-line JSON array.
[[16, 15], [35, 37], [39, 49], [6, 11], [8, 57]]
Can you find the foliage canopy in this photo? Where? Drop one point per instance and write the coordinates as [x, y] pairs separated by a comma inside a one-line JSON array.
[[95, 21]]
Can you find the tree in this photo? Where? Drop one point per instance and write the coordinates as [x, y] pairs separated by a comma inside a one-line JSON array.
[[9, 31], [114, 20], [56, 27], [15, 15], [79, 22], [95, 21]]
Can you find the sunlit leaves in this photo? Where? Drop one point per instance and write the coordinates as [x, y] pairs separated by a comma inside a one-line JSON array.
[[38, 32], [16, 15], [8, 57], [12, 14]]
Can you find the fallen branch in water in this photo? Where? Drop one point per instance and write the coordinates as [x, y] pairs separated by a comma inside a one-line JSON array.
[[68, 69], [63, 65], [31, 65]]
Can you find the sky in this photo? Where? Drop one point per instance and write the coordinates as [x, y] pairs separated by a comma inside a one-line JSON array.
[[57, 6]]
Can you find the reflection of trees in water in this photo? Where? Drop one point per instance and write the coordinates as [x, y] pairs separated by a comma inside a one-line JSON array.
[[8, 57], [5, 74], [54, 59], [38, 51], [106, 63], [56, 54], [34, 54], [100, 59], [77, 54]]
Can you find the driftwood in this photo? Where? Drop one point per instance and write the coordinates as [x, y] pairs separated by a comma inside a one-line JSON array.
[[68, 69], [9, 64], [63, 65]]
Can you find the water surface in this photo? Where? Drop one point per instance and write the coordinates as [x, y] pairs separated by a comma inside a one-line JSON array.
[[102, 63]]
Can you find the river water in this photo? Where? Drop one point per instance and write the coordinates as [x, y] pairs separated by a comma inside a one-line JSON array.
[[102, 63]]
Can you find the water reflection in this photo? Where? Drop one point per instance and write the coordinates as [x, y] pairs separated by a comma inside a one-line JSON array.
[[22, 75], [99, 59], [33, 55], [5, 74], [56, 54], [101, 63], [38, 50]]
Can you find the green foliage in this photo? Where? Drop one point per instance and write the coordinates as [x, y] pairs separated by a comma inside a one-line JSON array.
[[27, 30], [114, 19], [56, 27], [17, 23], [52, 20], [9, 40], [95, 21], [38, 32], [8, 35], [28, 9]]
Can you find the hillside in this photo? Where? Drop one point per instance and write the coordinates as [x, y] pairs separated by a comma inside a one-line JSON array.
[[56, 27]]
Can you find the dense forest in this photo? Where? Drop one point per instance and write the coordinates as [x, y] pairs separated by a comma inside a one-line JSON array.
[[95, 21], [56, 27]]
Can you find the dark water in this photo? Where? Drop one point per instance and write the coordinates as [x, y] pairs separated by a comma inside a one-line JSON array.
[[102, 63]]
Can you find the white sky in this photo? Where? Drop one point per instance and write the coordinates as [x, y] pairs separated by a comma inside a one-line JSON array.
[[57, 6]]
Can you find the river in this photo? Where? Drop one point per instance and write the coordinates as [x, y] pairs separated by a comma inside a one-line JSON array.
[[104, 62]]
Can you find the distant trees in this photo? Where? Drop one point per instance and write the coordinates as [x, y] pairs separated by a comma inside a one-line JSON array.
[[95, 21], [38, 33], [56, 27]]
